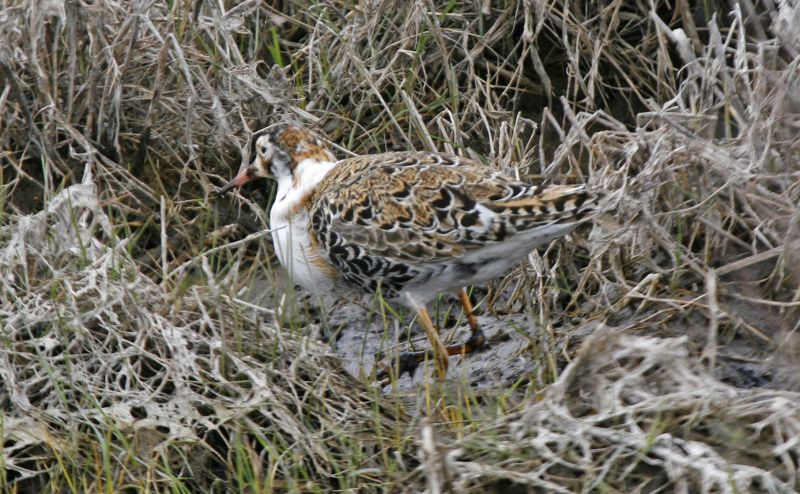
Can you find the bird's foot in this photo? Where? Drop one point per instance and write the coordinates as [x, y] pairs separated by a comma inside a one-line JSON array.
[[406, 362], [476, 342]]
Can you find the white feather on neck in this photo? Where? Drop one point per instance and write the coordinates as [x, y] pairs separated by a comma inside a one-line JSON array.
[[307, 174], [289, 224]]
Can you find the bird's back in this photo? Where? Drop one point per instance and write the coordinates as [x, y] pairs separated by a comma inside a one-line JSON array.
[[431, 222]]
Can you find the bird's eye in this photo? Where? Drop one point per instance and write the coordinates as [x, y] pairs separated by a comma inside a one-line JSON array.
[[264, 149]]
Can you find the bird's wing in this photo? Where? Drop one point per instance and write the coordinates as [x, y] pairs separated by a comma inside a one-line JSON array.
[[424, 207]]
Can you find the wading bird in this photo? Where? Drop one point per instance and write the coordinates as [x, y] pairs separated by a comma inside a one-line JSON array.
[[410, 224]]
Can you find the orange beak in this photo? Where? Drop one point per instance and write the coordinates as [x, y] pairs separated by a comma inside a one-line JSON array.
[[242, 178]]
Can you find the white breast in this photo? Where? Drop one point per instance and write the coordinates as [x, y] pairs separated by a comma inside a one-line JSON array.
[[297, 253], [293, 243]]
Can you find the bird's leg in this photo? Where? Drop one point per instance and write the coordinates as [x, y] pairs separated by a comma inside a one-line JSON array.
[[409, 361], [476, 339], [440, 352]]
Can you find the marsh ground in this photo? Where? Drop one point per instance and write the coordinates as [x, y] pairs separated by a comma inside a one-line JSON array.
[[151, 344]]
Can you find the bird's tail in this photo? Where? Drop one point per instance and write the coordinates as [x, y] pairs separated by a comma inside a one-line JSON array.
[[551, 203]]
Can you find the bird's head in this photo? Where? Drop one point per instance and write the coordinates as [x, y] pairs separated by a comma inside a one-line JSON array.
[[282, 153]]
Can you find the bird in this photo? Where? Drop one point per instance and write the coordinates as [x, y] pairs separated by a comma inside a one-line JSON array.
[[407, 224]]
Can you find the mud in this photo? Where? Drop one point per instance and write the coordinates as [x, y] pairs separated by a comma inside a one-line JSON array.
[[755, 345]]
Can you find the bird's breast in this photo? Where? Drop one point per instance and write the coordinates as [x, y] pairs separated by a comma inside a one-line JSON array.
[[298, 251]]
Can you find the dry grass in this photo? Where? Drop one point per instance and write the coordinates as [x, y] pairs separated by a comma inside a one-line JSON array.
[[128, 364], [103, 368]]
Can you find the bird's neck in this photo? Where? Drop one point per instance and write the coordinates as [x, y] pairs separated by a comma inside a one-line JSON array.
[[297, 186]]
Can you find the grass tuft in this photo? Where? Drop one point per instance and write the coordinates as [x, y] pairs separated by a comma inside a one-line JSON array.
[[150, 344]]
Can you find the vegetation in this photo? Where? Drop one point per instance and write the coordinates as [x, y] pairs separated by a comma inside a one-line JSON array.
[[664, 335]]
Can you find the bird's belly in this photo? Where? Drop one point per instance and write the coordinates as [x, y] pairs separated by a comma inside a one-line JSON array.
[[449, 277], [480, 266], [300, 257]]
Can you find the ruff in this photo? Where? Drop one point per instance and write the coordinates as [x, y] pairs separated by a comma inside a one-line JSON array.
[[412, 224]]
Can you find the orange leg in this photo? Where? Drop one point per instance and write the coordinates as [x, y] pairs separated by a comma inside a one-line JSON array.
[[440, 352], [410, 360], [476, 339]]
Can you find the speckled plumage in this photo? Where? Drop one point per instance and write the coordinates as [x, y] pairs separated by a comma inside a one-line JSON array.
[[411, 224], [408, 219]]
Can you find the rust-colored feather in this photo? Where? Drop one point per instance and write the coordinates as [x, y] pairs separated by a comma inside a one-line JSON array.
[[424, 207]]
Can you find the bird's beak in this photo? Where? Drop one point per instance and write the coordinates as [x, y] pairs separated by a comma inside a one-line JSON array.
[[242, 178]]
